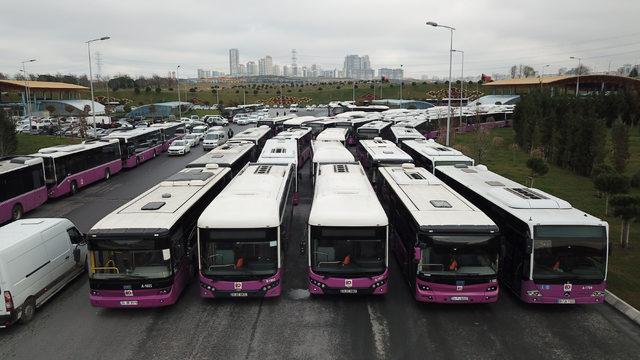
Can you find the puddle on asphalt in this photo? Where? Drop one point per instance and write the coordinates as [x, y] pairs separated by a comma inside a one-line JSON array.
[[299, 294]]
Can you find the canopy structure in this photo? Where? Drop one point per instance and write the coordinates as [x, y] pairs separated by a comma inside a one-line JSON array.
[[564, 84], [38, 90], [21, 85]]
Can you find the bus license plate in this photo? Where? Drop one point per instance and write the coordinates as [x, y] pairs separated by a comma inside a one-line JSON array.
[[459, 298], [566, 301], [129, 303], [239, 294], [348, 291]]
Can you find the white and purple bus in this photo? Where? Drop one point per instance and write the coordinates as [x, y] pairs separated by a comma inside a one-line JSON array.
[[22, 186], [373, 129], [244, 233], [276, 124], [298, 122], [353, 124], [377, 153], [143, 254], [320, 125], [398, 134], [138, 145], [257, 135], [282, 151], [334, 134], [446, 247], [232, 154], [347, 243], [170, 131], [551, 253], [422, 125], [302, 137], [68, 168], [429, 154]]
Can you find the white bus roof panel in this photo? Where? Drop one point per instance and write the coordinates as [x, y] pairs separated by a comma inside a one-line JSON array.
[[333, 134], [62, 150], [293, 133], [252, 134], [225, 154], [385, 150], [408, 133], [280, 151], [330, 152], [18, 162], [437, 152], [344, 197]]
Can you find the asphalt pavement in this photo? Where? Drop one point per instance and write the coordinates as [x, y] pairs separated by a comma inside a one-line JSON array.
[[296, 326]]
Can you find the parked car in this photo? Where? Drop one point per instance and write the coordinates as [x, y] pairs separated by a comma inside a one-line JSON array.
[[179, 147], [215, 120], [194, 139], [214, 139], [253, 118], [241, 119], [195, 117], [38, 257], [200, 130]]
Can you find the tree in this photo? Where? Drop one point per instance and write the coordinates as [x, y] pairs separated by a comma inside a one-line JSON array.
[[635, 180], [136, 90], [147, 89], [611, 184], [126, 108], [600, 169], [627, 208], [480, 144], [158, 90], [51, 109], [8, 137], [620, 142], [634, 72], [513, 71], [538, 168]]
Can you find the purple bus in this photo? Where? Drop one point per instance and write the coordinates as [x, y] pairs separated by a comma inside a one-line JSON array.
[[138, 145], [244, 233], [170, 131], [68, 168], [446, 247], [143, 254], [550, 253], [347, 243], [22, 186]]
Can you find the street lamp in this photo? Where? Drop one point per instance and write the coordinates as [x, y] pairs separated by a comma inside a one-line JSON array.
[[542, 74], [451, 29], [27, 108], [577, 72], [461, 82], [401, 82], [93, 110], [178, 83], [353, 91]]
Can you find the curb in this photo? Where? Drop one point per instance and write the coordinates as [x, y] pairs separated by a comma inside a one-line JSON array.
[[627, 310]]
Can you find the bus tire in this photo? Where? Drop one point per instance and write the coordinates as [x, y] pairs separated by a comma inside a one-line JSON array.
[[74, 187], [107, 174], [28, 310], [16, 212]]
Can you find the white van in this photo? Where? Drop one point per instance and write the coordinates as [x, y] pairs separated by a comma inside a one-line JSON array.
[[38, 257]]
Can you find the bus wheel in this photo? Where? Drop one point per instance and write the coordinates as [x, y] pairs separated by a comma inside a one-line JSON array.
[[16, 212], [28, 310], [74, 187], [107, 174]]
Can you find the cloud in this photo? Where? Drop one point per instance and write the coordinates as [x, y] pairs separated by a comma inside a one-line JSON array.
[[154, 36]]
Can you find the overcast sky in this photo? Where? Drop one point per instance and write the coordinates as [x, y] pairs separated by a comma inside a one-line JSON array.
[[150, 37]]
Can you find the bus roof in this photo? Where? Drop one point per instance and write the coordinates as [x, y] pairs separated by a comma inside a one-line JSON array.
[[251, 200], [164, 204], [293, 133], [333, 134], [252, 134], [436, 152], [344, 197], [130, 133], [411, 122], [224, 155], [433, 204], [531, 206], [376, 125], [351, 121], [330, 152], [167, 125], [351, 114], [63, 150], [17, 162], [406, 133], [277, 119], [325, 120], [385, 150], [280, 151], [297, 121]]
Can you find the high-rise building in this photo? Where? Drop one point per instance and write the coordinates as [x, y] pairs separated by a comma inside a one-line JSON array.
[[357, 67], [286, 70], [252, 68], [391, 74], [242, 70], [234, 62], [268, 65], [204, 74], [277, 71]]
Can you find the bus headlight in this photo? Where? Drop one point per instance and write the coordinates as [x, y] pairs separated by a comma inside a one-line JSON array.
[[317, 283], [208, 287], [533, 293], [492, 288], [270, 286], [597, 293], [424, 287], [378, 284], [163, 291]]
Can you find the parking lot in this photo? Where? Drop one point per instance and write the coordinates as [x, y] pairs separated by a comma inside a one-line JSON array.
[[295, 325]]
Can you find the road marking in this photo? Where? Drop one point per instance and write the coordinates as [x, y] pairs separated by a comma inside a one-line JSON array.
[[380, 331]]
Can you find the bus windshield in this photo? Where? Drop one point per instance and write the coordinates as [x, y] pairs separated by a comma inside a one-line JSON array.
[[459, 255], [239, 253], [368, 134], [130, 264], [569, 252], [348, 250]]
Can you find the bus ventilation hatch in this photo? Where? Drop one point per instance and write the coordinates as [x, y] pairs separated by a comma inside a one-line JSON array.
[[340, 168], [263, 169], [526, 193]]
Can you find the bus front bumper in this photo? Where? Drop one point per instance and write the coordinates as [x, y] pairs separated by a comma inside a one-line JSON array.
[[116, 299]]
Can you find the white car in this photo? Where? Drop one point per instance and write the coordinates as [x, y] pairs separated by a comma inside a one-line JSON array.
[[253, 118], [195, 117], [193, 139], [200, 131], [241, 119], [213, 139], [179, 147]]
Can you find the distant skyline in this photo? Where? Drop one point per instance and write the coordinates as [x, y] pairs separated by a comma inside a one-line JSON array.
[[154, 37]]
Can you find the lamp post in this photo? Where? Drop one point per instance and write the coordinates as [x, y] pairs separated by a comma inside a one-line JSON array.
[[542, 74], [578, 73], [461, 83], [451, 29], [401, 82], [353, 91], [93, 110], [27, 108], [179, 101]]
